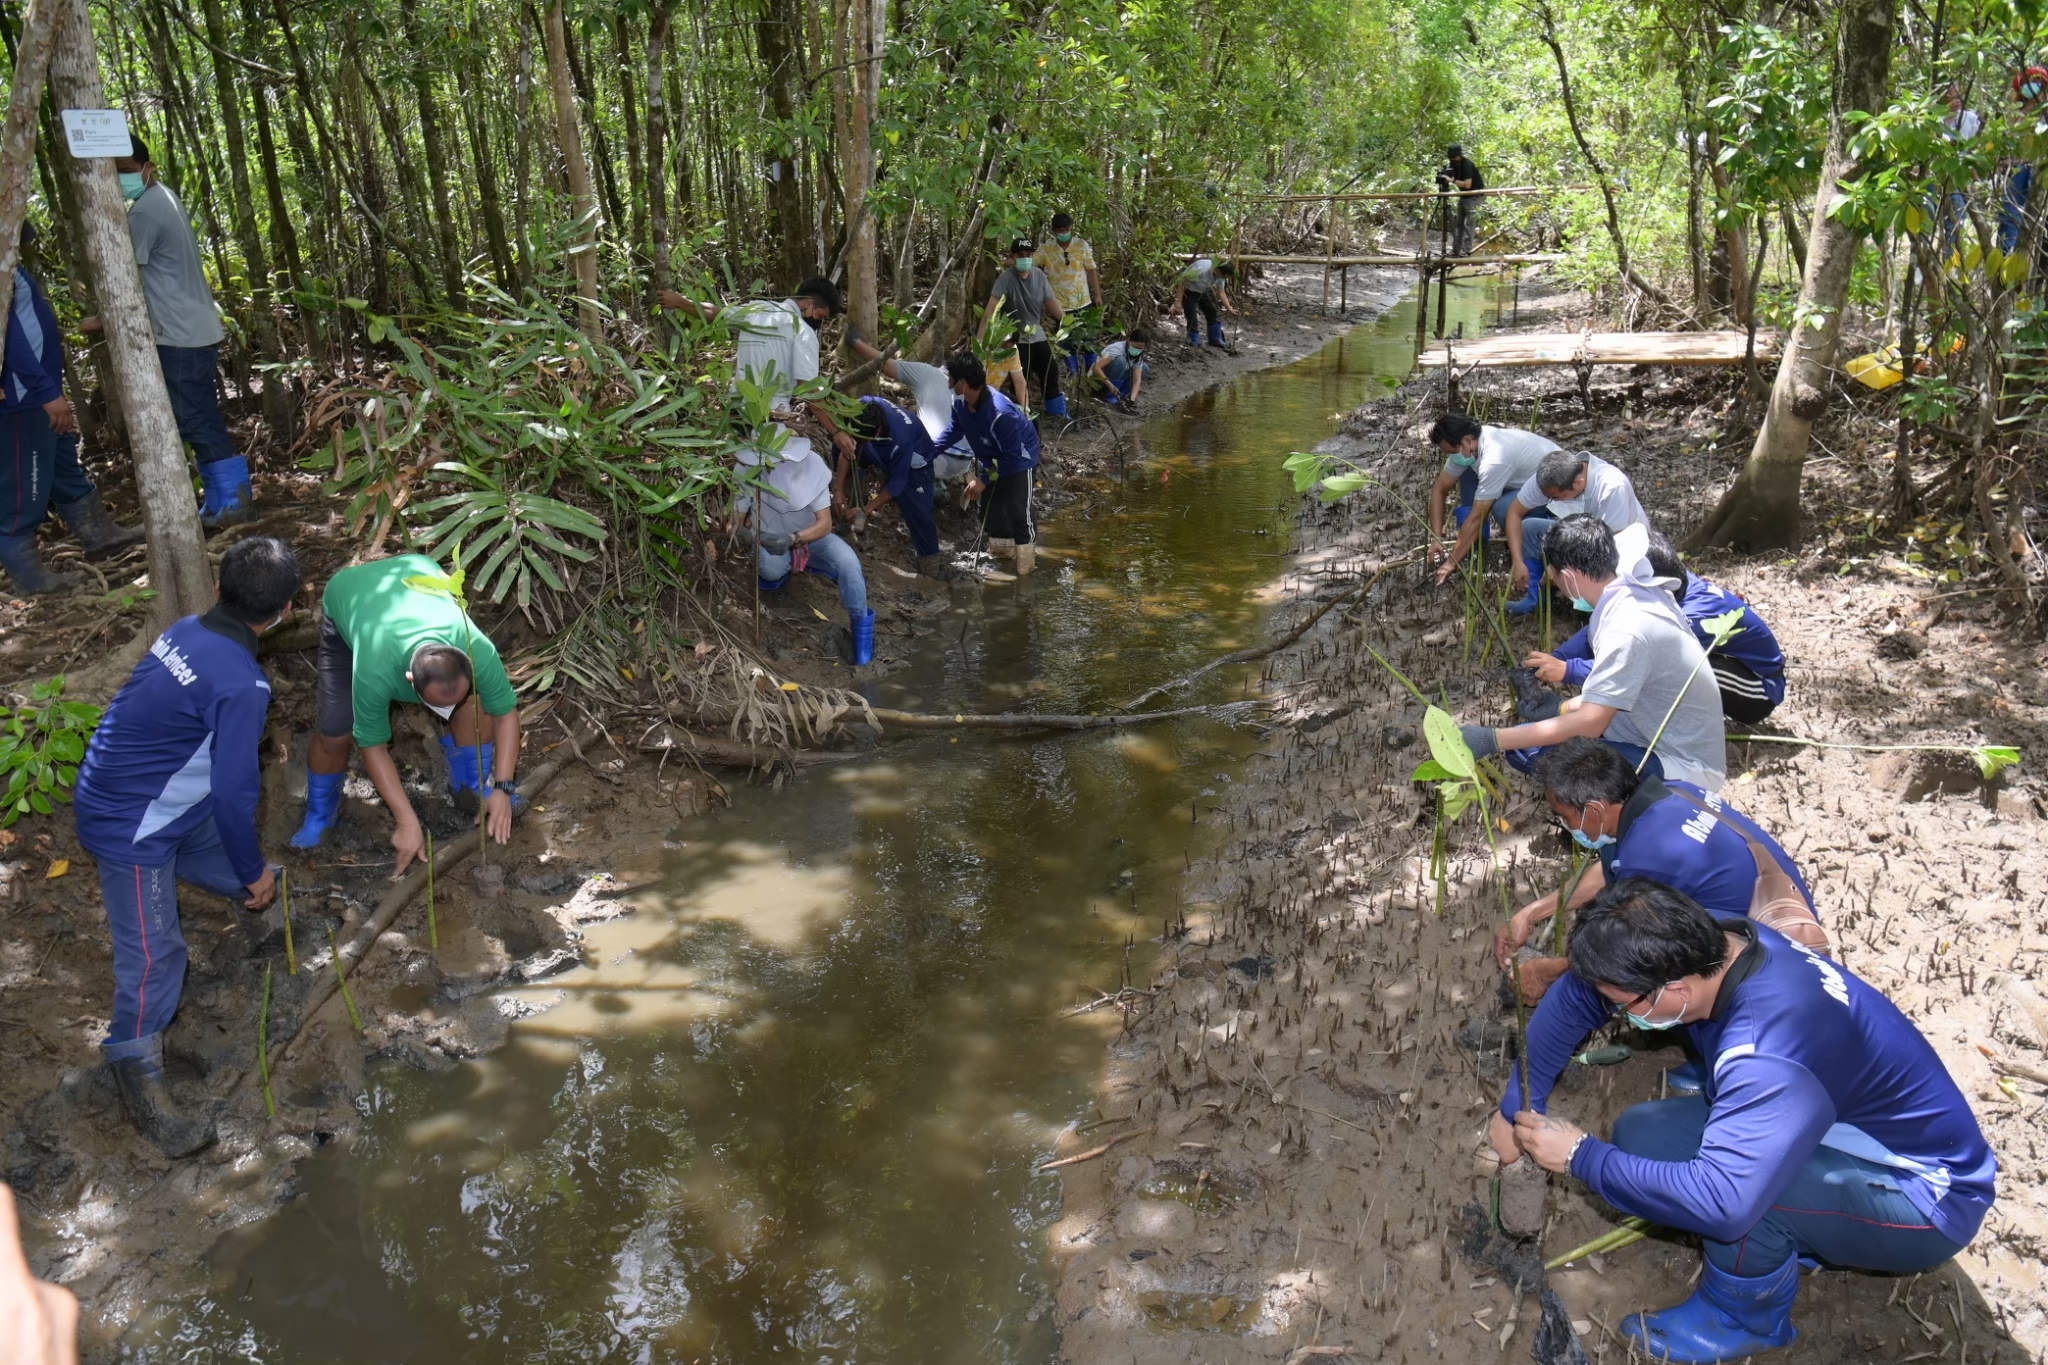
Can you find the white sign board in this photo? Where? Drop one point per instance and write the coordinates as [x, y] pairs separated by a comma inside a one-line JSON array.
[[97, 132]]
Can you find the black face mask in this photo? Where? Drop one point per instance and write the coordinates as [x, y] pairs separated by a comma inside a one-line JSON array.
[[814, 323]]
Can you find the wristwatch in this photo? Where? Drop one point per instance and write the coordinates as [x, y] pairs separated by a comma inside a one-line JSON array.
[[505, 784]]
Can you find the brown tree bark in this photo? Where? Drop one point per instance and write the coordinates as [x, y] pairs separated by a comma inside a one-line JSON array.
[[177, 549], [18, 143], [777, 34], [242, 206], [488, 197], [1761, 509], [569, 130], [437, 154], [657, 142], [863, 83]]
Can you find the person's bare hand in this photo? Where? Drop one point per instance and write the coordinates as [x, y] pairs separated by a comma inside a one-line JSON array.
[[91, 324], [63, 419], [38, 1321], [1509, 938], [1444, 571], [974, 486], [1536, 976], [1500, 1135], [843, 443], [1548, 667], [669, 298], [1547, 1138], [263, 890], [498, 815], [1521, 576], [408, 841]]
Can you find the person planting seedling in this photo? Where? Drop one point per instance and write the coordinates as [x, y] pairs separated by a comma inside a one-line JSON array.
[[389, 632], [1828, 1130]]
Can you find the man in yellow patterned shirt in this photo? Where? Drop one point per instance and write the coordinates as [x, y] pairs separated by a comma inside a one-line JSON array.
[[1069, 263]]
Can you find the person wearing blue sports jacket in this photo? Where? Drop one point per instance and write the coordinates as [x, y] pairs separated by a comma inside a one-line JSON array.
[[1827, 1129], [39, 468], [897, 448], [1674, 833], [167, 793], [1749, 669], [1005, 446]]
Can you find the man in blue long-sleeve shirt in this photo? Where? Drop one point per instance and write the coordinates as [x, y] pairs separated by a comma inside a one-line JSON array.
[[1674, 833], [168, 793], [1749, 669], [39, 466], [1828, 1127], [1005, 447]]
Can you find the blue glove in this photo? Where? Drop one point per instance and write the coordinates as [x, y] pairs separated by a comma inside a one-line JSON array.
[[1482, 740]]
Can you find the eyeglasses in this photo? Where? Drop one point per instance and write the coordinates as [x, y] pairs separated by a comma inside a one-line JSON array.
[[1615, 1011]]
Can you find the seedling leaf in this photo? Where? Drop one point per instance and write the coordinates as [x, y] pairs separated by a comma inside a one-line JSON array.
[[1993, 759], [1446, 745]]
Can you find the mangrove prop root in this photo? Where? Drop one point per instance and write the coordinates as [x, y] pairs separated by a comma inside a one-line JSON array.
[[1092, 1153], [364, 940], [731, 753], [1025, 720]]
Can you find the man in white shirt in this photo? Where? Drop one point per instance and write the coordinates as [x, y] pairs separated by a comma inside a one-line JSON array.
[[1488, 466], [777, 341], [1565, 484]]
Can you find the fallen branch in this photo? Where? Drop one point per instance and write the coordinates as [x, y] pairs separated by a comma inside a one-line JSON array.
[[1025, 720], [1256, 652], [2025, 1071], [731, 753], [366, 937], [1092, 1152]]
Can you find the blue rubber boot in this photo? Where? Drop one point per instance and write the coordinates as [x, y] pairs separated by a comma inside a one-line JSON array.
[[228, 497], [1527, 603], [774, 584], [323, 808], [863, 637], [1685, 1078], [1057, 407], [1216, 336], [1194, 334], [1728, 1317]]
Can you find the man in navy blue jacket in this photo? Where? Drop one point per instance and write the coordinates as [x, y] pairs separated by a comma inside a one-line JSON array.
[[1005, 447], [1674, 833], [39, 445], [168, 793], [1750, 668], [1828, 1128]]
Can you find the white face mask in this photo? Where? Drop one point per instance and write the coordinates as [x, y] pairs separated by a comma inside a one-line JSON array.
[[1566, 507], [442, 711]]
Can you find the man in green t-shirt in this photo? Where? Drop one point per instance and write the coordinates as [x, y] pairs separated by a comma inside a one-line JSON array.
[[385, 638]]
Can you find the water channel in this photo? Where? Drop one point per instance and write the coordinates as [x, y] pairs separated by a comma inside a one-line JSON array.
[[789, 1110]]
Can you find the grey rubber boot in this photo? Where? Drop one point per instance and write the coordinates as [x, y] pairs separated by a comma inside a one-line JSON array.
[[146, 1095], [97, 532], [25, 569]]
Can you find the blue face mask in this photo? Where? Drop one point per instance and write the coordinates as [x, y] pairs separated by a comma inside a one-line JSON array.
[[1654, 1026], [132, 185], [1591, 843]]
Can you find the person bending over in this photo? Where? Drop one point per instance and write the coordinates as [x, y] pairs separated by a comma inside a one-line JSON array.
[[1122, 367], [1565, 484], [1488, 466], [1827, 1129], [1749, 669], [1672, 832], [1005, 446], [167, 793], [892, 444], [1649, 688], [1204, 287], [387, 635]]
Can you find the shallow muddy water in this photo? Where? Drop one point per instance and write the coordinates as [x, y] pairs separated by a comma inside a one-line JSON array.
[[789, 1110]]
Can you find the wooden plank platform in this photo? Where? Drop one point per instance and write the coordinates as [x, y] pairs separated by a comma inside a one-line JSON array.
[[1600, 348], [1256, 258]]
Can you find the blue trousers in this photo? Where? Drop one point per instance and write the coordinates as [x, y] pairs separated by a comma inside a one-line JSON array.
[[1534, 530], [149, 944], [1839, 1209], [1524, 760], [192, 375], [830, 556], [916, 506], [1120, 374], [37, 467]]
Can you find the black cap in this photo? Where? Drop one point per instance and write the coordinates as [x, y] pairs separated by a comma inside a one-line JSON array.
[[1023, 246], [1454, 149], [138, 150]]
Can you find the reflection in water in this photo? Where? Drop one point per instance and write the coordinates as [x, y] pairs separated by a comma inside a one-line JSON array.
[[789, 1110]]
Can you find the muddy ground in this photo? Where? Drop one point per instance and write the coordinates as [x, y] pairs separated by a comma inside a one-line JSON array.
[[123, 1227], [1298, 1108]]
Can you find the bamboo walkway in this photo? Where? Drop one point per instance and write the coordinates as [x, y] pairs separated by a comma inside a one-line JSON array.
[[1600, 348]]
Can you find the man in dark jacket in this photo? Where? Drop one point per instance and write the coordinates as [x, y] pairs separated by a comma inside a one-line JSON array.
[[1461, 177], [168, 793], [39, 466]]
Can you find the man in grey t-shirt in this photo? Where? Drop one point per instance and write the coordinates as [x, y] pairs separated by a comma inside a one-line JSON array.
[[1026, 294], [1565, 484], [1651, 695], [1488, 466], [188, 333]]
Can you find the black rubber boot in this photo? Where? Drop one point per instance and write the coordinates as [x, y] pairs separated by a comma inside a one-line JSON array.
[[146, 1095], [98, 533], [25, 567]]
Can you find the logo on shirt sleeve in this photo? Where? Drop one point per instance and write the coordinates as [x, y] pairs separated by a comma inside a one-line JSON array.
[[1830, 975]]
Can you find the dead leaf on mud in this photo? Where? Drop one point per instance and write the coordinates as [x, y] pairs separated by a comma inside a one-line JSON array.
[[57, 869]]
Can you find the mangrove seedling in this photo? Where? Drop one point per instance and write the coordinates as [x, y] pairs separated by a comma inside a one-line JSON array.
[[341, 979], [284, 903], [263, 1043], [1991, 759], [433, 930]]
